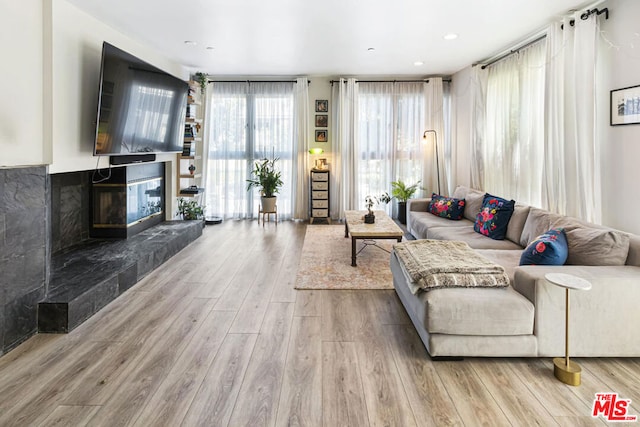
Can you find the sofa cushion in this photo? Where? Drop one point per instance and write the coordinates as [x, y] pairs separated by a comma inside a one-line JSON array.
[[475, 311], [446, 207], [473, 201], [493, 219], [421, 222], [595, 246], [549, 248], [508, 259], [538, 221], [468, 235], [516, 223]]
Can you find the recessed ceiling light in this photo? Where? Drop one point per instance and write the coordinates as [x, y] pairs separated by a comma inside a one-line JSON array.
[[450, 36], [190, 42], [371, 49], [418, 63]]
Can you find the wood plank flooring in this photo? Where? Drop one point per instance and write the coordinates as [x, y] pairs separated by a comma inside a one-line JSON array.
[[218, 336]]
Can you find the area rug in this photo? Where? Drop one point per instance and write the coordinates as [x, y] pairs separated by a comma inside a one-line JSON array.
[[325, 262]]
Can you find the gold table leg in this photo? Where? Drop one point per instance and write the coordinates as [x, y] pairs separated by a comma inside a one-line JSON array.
[[564, 370]]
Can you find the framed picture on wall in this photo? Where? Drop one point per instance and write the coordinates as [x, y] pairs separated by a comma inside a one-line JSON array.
[[625, 106], [321, 136], [322, 120], [322, 105]]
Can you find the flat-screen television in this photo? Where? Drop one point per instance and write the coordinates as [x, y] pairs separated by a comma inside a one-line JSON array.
[[141, 109]]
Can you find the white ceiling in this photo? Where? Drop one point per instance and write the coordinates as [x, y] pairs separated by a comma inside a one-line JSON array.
[[329, 37]]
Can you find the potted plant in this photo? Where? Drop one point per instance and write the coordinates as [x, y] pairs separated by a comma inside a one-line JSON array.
[[202, 80], [268, 180], [190, 209], [401, 192], [369, 201]]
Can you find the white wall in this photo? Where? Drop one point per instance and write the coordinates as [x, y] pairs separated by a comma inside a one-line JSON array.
[[77, 46], [320, 88], [620, 145], [21, 83]]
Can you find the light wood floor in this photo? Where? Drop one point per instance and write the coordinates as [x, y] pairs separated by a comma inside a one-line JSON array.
[[218, 336]]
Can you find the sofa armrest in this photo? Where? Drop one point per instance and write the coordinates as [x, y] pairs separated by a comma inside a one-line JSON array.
[[420, 205], [603, 320]]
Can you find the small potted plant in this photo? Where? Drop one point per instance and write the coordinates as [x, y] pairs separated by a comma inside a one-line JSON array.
[[401, 192], [268, 180], [369, 201], [190, 209], [202, 80]]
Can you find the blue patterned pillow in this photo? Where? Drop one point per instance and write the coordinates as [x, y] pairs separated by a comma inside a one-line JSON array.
[[550, 248], [493, 219], [446, 207]]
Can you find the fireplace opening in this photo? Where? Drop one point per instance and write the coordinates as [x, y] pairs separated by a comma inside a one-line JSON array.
[[130, 201]]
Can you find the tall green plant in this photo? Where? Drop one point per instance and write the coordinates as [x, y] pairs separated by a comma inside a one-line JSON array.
[[266, 177], [402, 192]]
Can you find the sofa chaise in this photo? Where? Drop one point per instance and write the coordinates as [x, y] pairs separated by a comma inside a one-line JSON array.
[[526, 318]]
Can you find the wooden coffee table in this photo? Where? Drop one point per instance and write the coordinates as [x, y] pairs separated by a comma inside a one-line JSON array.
[[383, 228]]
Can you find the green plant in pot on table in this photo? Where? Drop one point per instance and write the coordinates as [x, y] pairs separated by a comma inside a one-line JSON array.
[[190, 209], [267, 179], [402, 192], [369, 201]]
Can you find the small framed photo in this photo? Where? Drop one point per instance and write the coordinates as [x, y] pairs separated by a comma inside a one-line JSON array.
[[322, 120], [321, 136], [322, 105], [625, 106]]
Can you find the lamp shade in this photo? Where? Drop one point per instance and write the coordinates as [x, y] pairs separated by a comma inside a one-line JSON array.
[[316, 151]]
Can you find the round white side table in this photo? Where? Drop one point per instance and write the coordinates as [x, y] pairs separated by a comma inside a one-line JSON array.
[[564, 370]]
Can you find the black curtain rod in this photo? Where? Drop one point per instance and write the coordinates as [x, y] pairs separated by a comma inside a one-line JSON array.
[[584, 17], [390, 81], [255, 81], [512, 51]]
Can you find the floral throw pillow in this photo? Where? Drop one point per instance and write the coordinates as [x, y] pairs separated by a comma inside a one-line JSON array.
[[446, 207], [493, 219], [550, 248]]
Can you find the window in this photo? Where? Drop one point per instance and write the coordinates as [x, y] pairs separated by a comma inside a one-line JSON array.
[[248, 122]]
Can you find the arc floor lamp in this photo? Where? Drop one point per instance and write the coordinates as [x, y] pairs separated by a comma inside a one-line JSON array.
[[435, 139]]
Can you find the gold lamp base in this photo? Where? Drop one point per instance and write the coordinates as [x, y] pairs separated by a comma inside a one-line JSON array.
[[567, 374]]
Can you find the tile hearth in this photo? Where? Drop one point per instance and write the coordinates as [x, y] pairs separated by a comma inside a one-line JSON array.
[[87, 277]]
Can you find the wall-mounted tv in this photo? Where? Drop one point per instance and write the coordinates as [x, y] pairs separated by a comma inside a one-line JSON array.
[[141, 109]]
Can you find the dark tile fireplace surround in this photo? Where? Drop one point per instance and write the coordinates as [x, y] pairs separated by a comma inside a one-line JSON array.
[[53, 276]]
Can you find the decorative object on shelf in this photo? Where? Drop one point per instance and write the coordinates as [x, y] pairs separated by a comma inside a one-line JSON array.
[[202, 80], [268, 180], [369, 201], [322, 120], [190, 209], [192, 169], [625, 106], [322, 105], [435, 139], [401, 192], [321, 136]]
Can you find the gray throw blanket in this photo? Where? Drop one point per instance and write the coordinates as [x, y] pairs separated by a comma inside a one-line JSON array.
[[433, 264]]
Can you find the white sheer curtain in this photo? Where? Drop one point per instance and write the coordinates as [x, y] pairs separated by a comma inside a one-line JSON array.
[[513, 142], [301, 157], [571, 169], [345, 113], [249, 121], [378, 138], [434, 114]]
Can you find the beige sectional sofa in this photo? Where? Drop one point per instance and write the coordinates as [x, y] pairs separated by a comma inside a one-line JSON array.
[[527, 318]]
